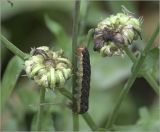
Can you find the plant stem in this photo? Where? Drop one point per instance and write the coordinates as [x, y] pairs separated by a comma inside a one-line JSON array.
[[89, 36], [89, 121], [146, 75], [152, 82], [130, 55], [41, 107], [131, 80], [75, 122], [84, 15], [13, 48], [86, 116], [66, 93], [74, 62]]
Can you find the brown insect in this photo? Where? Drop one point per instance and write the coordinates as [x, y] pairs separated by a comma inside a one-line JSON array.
[[83, 81]]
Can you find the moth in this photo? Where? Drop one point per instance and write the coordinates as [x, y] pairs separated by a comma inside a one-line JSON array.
[[83, 80]]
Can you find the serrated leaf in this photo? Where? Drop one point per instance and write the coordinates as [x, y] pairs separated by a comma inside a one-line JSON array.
[[10, 78]]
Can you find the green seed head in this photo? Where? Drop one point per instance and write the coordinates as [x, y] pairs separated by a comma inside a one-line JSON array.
[[115, 32], [49, 69]]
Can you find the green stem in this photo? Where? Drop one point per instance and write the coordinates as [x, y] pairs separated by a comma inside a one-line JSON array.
[[75, 121], [146, 75], [86, 116], [89, 36], [41, 107], [130, 55], [84, 15], [66, 93], [89, 121], [152, 82], [13, 48], [131, 80], [74, 62]]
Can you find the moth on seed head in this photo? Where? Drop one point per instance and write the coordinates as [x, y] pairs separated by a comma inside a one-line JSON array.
[[83, 81]]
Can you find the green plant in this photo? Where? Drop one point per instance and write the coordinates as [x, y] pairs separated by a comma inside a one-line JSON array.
[[140, 68]]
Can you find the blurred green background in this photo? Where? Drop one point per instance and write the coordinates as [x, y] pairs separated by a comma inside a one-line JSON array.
[[36, 23]]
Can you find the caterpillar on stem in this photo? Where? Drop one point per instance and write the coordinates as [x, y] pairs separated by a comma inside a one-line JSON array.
[[83, 81]]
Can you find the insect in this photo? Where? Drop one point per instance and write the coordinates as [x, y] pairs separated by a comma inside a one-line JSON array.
[[83, 81]]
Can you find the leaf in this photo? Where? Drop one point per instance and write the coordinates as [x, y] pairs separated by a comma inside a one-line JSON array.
[[61, 36], [151, 61], [10, 78]]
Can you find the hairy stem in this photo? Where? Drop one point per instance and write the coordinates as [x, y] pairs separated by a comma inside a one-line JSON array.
[[131, 80], [74, 62], [13, 48], [41, 107]]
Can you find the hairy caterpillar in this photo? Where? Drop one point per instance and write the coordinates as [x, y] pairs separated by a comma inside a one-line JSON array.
[[83, 80]]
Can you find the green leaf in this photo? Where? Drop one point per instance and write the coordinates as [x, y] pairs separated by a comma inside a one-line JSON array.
[[60, 34], [151, 61], [10, 78]]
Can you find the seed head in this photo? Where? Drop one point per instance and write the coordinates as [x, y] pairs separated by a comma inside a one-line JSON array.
[[48, 68], [115, 32]]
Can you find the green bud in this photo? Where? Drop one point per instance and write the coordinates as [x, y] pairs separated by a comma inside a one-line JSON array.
[[38, 58], [49, 69], [44, 48], [60, 78], [66, 73], [64, 60], [120, 29], [61, 65], [52, 77], [43, 81], [36, 69]]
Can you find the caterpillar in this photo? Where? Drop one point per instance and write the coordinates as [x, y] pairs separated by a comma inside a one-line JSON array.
[[83, 80]]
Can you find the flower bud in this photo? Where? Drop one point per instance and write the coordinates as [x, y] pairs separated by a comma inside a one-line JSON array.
[[49, 69], [115, 32]]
